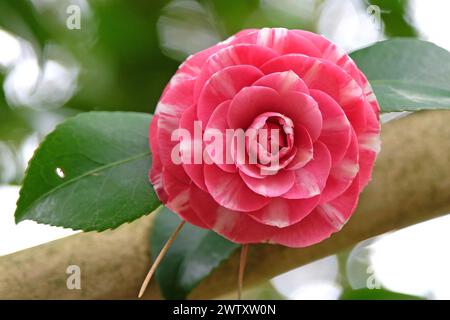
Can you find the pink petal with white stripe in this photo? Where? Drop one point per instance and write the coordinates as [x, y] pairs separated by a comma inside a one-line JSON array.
[[178, 199], [283, 82], [166, 126], [281, 40], [155, 175], [325, 76], [224, 85], [245, 54], [218, 121], [230, 191], [192, 66], [331, 52], [190, 148], [322, 222], [249, 103], [311, 179], [282, 213], [235, 226], [369, 144], [270, 186], [336, 129], [175, 101], [342, 173], [303, 149], [303, 111]]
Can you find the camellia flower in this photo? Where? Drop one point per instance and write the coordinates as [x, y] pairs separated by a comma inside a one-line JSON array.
[[290, 82]]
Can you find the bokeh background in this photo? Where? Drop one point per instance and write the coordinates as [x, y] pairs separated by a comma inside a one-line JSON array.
[[121, 58]]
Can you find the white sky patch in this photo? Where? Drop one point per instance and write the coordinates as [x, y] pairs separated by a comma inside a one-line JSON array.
[[26, 234], [432, 20], [349, 24], [10, 51], [415, 260], [317, 280]]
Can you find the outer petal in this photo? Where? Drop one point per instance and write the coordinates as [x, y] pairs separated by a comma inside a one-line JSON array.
[[192, 146], [343, 173], [230, 191], [281, 40], [178, 199], [156, 176], [235, 226], [177, 98], [169, 110], [331, 52], [193, 64], [166, 126], [322, 222], [282, 213], [369, 146], [245, 54]]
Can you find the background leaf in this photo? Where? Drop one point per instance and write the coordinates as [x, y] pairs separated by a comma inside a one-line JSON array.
[[191, 258], [376, 294], [407, 74], [91, 173]]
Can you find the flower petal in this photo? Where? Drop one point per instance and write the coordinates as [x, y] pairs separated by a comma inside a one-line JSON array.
[[191, 146], [281, 40], [235, 226], [222, 86], [270, 185], [249, 103], [322, 222], [328, 77], [311, 179], [342, 173], [218, 121], [283, 82], [336, 129], [230, 191], [282, 213], [156, 176], [178, 199], [241, 54]]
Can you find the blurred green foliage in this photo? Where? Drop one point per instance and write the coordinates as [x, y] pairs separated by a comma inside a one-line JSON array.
[[376, 294], [118, 49], [396, 18]]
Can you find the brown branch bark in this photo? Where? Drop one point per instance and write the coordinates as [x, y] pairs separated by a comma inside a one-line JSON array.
[[411, 183]]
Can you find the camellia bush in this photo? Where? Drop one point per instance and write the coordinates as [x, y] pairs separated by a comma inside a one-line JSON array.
[[309, 114]]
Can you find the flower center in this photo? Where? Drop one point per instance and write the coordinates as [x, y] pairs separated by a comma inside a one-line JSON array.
[[270, 138]]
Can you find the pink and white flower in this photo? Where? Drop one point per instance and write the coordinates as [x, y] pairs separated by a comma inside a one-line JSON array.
[[292, 81]]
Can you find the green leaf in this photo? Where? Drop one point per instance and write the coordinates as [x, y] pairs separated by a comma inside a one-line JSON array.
[[407, 74], [376, 294], [91, 173], [191, 258]]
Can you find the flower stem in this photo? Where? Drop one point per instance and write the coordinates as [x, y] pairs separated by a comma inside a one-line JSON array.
[[159, 258], [242, 264]]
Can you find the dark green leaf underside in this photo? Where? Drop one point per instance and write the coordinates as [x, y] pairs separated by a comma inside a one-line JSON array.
[[191, 258], [407, 74], [91, 173]]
